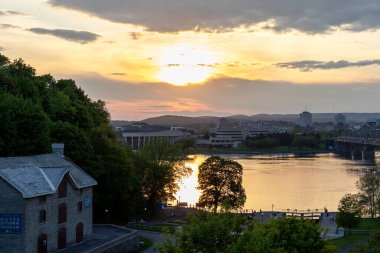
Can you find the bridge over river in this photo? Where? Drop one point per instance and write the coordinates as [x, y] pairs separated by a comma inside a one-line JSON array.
[[359, 144]]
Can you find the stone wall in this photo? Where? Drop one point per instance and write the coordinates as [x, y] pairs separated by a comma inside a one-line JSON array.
[[51, 226], [11, 202]]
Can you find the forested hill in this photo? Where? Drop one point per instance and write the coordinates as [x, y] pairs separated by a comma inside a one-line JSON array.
[[36, 111]]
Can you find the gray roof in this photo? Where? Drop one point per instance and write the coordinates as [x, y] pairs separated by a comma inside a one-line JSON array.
[[41, 174]]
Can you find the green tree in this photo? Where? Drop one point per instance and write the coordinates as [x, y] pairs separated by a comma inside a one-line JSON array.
[[38, 110], [349, 212], [282, 236], [220, 181], [369, 192], [160, 168], [371, 246], [208, 233]]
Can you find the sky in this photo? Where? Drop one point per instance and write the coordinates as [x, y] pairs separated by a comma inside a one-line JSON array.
[[148, 58]]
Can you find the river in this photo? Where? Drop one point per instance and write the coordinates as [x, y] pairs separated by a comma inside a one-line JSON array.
[[285, 182]]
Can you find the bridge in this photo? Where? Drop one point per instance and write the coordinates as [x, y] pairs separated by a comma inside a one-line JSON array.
[[359, 144]]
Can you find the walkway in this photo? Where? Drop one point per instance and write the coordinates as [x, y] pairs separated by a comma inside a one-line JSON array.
[[155, 238]]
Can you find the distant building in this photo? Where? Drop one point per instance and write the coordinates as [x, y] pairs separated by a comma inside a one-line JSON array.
[[137, 136], [340, 119], [374, 122], [45, 203], [306, 119], [222, 123]]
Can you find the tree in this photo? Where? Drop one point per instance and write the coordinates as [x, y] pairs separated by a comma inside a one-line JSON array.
[[369, 187], [220, 181], [160, 168], [282, 236], [349, 212], [208, 233], [38, 110], [372, 245]]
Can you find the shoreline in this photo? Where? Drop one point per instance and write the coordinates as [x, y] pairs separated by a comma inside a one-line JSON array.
[[254, 152]]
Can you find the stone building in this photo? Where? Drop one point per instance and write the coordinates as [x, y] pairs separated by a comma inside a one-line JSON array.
[[45, 204]]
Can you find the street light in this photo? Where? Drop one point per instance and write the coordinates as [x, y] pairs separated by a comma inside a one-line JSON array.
[[262, 217]]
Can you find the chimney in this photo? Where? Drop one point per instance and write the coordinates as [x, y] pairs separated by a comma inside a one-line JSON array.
[[58, 148]]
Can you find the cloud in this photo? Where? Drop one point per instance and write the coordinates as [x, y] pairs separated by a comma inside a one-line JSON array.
[[1, 49], [309, 66], [229, 96], [70, 35], [135, 35], [118, 74], [11, 13], [8, 26], [317, 16]]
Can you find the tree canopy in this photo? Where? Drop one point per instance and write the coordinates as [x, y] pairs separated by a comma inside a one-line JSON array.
[[220, 181], [350, 211], [369, 192], [36, 111]]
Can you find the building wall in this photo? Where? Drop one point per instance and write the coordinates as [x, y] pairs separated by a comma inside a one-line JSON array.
[[51, 226], [11, 202]]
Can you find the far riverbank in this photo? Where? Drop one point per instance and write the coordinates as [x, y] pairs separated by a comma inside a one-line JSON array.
[[246, 151]]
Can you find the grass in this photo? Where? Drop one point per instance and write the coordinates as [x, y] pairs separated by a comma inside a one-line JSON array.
[[146, 244], [369, 224], [346, 240], [365, 224], [160, 228]]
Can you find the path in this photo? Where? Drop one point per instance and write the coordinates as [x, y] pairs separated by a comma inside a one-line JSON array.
[[154, 237]]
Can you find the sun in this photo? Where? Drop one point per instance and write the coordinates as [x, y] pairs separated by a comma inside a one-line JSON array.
[[184, 64]]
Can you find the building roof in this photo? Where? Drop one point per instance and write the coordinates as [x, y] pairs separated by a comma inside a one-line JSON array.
[[39, 175]]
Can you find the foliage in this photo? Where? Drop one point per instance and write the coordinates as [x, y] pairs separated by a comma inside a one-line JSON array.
[[369, 192], [220, 181], [160, 171], [283, 236], [372, 245], [305, 141], [38, 110], [349, 212], [266, 142], [208, 233]]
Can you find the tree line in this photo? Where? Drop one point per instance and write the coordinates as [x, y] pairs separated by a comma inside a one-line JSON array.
[[37, 110]]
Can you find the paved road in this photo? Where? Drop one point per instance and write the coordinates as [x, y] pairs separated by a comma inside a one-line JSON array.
[[154, 237]]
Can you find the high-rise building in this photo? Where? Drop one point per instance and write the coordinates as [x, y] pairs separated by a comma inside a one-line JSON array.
[[306, 119], [340, 119]]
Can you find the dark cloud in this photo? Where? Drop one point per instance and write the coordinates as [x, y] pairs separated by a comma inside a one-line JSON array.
[[308, 66], [11, 13], [8, 26], [118, 74], [71, 35], [317, 16], [135, 35], [15, 13]]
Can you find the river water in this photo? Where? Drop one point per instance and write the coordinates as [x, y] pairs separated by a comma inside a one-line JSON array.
[[285, 182]]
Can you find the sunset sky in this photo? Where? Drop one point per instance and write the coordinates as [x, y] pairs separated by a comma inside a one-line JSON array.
[[204, 57]]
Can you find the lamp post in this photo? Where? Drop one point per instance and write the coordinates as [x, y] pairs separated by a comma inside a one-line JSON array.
[[272, 209], [262, 217]]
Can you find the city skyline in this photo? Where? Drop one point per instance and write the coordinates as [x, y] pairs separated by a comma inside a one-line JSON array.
[[146, 58]]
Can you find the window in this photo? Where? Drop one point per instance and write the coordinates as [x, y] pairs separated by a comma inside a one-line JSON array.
[[42, 216], [62, 238], [80, 206], [62, 213], [62, 189]]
